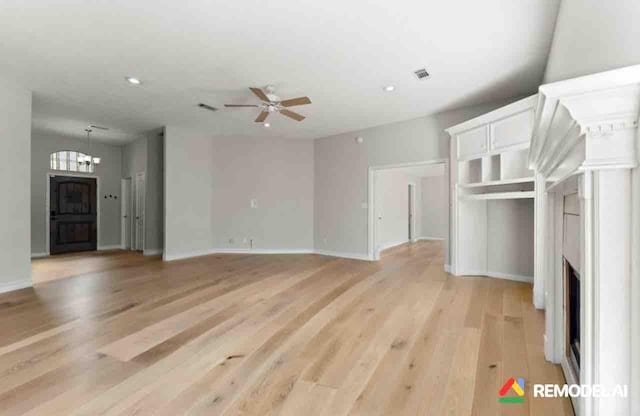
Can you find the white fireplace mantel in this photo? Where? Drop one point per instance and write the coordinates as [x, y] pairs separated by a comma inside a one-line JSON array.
[[585, 139]]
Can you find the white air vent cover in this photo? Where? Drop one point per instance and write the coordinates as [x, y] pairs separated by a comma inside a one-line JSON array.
[[421, 73]]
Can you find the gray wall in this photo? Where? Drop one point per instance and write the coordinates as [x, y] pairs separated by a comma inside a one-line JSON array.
[[510, 252], [593, 36], [154, 199], [435, 206], [188, 185], [134, 158], [146, 155], [15, 136], [210, 181], [341, 172], [108, 172]]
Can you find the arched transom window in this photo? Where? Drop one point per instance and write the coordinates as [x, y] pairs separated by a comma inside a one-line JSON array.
[[67, 160]]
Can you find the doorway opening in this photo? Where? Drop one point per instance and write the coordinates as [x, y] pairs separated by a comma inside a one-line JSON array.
[[407, 202], [72, 213]]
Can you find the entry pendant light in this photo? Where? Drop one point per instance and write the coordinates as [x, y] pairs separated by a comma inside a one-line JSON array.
[[87, 159]]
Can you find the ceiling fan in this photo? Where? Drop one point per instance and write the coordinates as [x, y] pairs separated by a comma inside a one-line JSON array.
[[271, 103]]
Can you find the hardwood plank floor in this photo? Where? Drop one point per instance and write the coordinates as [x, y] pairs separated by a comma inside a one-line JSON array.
[[268, 335]]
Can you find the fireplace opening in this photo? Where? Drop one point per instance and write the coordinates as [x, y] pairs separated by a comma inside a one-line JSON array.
[[572, 311]]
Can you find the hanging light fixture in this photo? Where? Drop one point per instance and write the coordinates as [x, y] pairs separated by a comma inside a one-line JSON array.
[[87, 159]]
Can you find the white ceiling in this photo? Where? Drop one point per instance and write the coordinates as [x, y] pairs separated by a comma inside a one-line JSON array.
[[75, 54]]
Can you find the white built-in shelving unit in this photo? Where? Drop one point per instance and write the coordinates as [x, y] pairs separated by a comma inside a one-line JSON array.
[[493, 192]]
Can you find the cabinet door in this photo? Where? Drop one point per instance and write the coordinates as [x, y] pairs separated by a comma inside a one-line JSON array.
[[512, 131], [472, 142]]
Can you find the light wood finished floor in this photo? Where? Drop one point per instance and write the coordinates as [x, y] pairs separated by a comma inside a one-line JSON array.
[[300, 335]]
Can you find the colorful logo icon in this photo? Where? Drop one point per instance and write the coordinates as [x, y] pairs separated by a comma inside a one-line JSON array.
[[518, 388]]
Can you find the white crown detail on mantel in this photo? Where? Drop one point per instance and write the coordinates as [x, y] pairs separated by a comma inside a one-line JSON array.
[[577, 119]]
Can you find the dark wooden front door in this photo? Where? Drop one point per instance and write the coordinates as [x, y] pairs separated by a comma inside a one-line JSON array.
[[73, 214]]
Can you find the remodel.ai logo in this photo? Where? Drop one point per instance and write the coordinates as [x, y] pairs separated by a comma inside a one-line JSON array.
[[517, 386]]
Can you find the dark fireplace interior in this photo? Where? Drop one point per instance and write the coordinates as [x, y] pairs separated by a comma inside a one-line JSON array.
[[572, 299]]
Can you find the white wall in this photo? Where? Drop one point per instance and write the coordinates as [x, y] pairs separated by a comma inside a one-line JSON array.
[[209, 185], [392, 206], [341, 172], [593, 36], [15, 136], [108, 172], [435, 207]]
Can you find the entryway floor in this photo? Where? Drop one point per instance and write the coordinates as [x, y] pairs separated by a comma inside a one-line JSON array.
[[61, 266]]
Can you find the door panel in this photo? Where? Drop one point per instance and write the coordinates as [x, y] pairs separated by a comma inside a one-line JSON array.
[[73, 214], [139, 211]]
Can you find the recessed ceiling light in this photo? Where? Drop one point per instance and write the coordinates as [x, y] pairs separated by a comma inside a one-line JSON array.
[[267, 124], [389, 88], [132, 80]]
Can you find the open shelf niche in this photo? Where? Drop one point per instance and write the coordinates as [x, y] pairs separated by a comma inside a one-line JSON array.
[[494, 194]]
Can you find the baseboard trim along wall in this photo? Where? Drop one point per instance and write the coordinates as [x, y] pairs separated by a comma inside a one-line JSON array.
[[430, 238], [354, 256], [110, 247], [499, 275], [181, 256], [38, 255], [392, 244], [152, 251], [15, 285]]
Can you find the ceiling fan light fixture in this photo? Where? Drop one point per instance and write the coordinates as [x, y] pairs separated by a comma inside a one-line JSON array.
[[389, 88], [267, 125]]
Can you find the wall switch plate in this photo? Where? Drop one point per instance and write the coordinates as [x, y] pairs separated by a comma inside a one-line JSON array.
[[254, 203]]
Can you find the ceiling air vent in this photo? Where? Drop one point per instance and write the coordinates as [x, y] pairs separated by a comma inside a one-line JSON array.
[[207, 107], [421, 73]]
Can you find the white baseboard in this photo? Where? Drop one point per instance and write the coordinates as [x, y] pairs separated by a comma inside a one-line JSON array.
[[261, 251], [430, 238], [199, 253], [386, 246], [15, 285], [498, 275], [38, 255], [354, 256], [110, 247], [152, 251]]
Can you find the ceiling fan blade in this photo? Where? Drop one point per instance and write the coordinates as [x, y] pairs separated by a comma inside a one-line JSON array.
[[295, 101], [262, 116], [291, 114], [260, 94], [241, 105]]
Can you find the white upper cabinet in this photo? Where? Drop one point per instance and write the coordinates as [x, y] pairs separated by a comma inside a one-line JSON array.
[[512, 131], [473, 142]]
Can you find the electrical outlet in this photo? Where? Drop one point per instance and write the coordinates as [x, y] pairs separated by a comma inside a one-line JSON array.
[[232, 241], [254, 203]]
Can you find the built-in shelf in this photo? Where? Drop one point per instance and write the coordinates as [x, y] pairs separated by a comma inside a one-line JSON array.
[[494, 183], [500, 195]]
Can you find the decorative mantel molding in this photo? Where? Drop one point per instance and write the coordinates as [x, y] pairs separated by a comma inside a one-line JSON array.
[[577, 120], [585, 139]]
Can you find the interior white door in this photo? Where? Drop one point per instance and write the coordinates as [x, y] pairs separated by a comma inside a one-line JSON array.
[[139, 211], [125, 209]]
